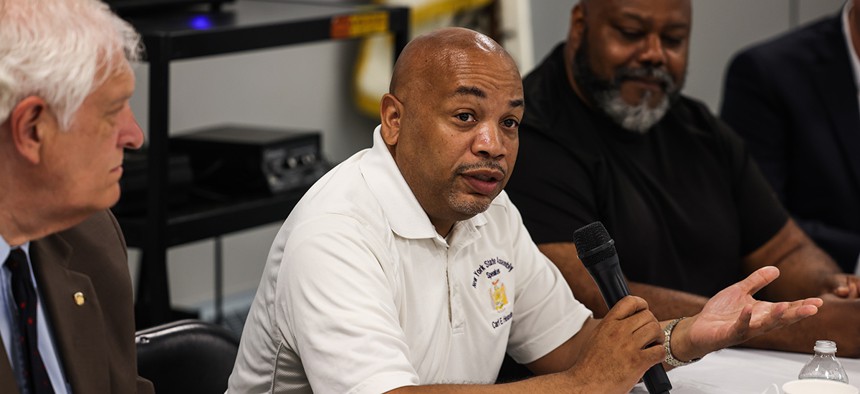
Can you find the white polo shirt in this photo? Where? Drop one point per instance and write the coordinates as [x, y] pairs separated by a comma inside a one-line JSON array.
[[361, 295]]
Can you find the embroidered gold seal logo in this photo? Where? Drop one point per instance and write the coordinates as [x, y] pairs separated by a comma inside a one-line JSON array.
[[498, 294]]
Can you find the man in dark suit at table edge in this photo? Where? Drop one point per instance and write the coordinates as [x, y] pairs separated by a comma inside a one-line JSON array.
[[794, 100]]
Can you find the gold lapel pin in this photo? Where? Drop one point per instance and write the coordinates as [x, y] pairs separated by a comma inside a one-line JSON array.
[[79, 298]]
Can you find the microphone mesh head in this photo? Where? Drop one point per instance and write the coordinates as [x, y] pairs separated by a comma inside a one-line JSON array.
[[590, 236], [593, 244]]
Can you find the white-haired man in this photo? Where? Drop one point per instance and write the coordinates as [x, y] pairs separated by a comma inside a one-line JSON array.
[[66, 304]]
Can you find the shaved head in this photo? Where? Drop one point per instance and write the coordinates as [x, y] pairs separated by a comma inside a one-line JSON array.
[[429, 54], [451, 120], [604, 5]]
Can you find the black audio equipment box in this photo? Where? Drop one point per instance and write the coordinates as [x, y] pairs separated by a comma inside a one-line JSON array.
[[239, 160], [133, 7]]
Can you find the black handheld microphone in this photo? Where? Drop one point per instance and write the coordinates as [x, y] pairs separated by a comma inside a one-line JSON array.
[[597, 252]]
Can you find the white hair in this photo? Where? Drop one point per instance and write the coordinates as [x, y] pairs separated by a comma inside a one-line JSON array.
[[61, 51]]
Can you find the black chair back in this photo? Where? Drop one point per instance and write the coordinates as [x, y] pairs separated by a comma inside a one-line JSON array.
[[186, 356]]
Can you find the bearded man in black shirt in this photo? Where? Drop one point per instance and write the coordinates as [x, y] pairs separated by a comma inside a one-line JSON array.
[[607, 136]]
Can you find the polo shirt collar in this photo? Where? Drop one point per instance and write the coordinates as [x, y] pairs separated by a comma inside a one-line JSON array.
[[402, 210]]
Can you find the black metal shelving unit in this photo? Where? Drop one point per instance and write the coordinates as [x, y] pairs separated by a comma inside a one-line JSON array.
[[243, 26]]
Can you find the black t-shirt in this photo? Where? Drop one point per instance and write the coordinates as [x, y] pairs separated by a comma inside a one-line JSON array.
[[684, 202]]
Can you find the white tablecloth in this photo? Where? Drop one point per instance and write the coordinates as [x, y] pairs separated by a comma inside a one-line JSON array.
[[741, 371]]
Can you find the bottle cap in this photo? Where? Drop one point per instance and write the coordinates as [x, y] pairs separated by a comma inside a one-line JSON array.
[[825, 346]]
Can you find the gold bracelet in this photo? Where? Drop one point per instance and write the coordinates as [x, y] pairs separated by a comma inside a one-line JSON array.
[[667, 338]]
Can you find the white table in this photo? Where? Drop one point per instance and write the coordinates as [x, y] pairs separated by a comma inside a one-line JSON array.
[[741, 371]]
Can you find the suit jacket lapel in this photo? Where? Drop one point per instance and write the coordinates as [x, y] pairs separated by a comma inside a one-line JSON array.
[[7, 377], [84, 357], [836, 87]]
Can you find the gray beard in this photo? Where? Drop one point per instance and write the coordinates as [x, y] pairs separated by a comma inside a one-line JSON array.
[[636, 118], [605, 95]]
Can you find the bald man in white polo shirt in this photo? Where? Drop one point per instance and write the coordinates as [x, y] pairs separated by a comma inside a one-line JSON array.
[[406, 268]]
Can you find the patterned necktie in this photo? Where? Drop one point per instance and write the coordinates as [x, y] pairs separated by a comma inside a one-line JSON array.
[[34, 373]]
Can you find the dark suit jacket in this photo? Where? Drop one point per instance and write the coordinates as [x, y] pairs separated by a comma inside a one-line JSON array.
[[95, 341], [794, 100]]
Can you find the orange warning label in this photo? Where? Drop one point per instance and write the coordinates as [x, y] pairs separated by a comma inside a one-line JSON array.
[[348, 26]]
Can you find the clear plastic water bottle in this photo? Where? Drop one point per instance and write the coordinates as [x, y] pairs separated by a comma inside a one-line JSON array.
[[824, 364]]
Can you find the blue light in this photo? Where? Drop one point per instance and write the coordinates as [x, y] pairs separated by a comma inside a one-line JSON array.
[[200, 22]]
